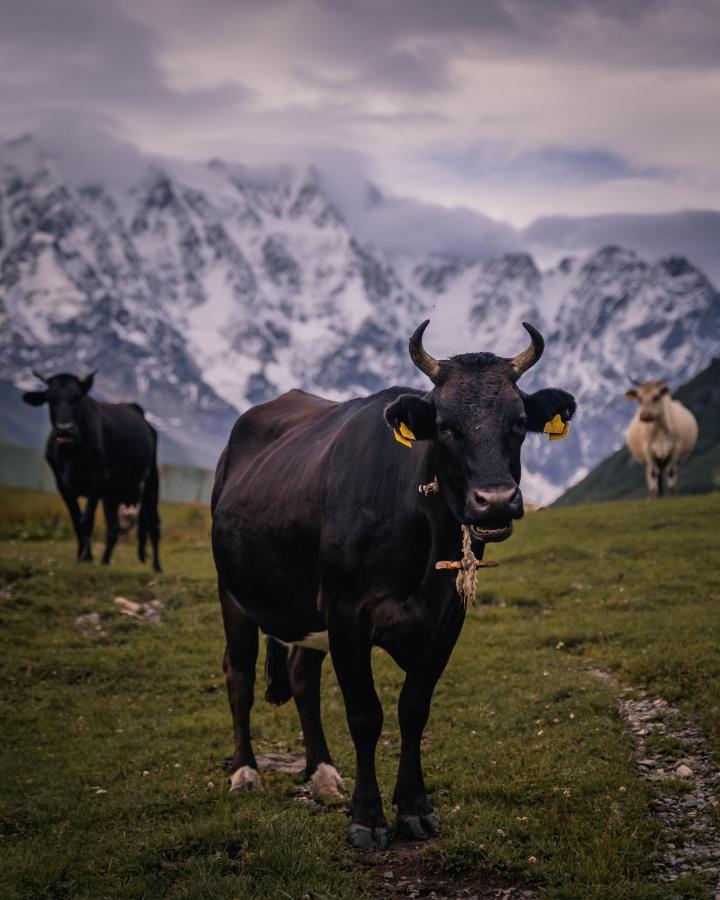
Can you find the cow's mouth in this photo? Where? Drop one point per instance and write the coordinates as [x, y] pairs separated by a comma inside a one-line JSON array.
[[63, 440], [497, 530]]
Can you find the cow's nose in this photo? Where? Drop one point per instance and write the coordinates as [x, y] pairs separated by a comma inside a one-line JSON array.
[[500, 500]]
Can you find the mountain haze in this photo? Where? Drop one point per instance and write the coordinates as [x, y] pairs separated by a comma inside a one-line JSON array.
[[201, 289]]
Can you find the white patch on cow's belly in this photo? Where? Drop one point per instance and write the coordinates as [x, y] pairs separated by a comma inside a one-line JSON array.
[[326, 784], [245, 779], [316, 640]]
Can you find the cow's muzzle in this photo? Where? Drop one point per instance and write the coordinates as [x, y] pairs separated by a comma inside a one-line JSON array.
[[491, 511], [64, 432]]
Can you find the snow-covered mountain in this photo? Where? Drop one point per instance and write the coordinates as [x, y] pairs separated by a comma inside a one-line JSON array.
[[200, 289]]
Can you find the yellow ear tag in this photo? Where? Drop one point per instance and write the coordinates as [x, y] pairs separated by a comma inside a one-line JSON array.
[[406, 433], [556, 429]]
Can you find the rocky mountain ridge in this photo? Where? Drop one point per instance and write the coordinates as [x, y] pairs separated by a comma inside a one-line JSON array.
[[201, 289]]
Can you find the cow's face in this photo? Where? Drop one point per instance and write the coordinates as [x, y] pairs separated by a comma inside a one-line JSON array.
[[650, 395], [64, 395], [476, 418]]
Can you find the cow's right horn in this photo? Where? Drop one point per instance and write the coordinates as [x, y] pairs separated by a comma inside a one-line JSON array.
[[39, 376], [525, 360], [419, 355]]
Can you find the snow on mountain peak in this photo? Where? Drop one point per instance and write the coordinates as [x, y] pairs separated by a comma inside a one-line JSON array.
[[200, 289]]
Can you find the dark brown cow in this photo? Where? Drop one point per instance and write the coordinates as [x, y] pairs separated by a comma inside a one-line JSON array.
[[322, 539]]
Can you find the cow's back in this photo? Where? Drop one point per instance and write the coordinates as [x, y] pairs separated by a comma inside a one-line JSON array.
[[267, 504], [128, 444]]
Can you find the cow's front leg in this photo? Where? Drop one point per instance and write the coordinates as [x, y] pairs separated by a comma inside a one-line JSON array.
[[652, 478], [88, 522], [112, 529], [671, 476], [76, 517], [415, 816], [350, 652]]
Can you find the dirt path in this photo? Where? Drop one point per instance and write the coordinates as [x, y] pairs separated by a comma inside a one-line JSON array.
[[402, 872], [673, 757]]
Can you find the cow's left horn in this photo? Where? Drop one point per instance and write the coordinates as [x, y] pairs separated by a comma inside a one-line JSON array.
[[419, 355], [83, 379], [39, 376], [527, 359]]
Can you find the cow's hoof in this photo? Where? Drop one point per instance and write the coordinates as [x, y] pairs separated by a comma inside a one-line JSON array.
[[362, 837], [157, 568], [417, 828], [326, 785], [245, 779]]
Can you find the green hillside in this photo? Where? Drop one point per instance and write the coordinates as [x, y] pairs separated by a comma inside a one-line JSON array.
[[619, 476]]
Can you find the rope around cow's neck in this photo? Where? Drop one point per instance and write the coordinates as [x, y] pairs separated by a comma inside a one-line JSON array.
[[466, 581]]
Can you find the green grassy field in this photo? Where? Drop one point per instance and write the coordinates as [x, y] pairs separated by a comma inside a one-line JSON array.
[[111, 738]]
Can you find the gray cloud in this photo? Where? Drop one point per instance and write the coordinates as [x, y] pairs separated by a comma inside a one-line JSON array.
[[512, 106]]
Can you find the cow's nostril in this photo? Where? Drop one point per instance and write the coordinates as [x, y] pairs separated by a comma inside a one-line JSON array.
[[481, 501]]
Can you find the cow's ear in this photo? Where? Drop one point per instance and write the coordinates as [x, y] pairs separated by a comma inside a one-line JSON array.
[[415, 414], [631, 394], [664, 390], [86, 382], [35, 398], [543, 406]]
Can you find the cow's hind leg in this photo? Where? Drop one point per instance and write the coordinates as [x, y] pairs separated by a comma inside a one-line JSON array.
[[305, 667], [110, 507], [239, 662], [149, 520], [351, 658]]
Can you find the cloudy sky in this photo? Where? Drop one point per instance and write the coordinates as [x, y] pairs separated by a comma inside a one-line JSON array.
[[515, 108]]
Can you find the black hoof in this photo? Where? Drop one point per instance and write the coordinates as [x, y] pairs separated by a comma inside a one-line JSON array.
[[417, 828], [361, 837], [157, 568]]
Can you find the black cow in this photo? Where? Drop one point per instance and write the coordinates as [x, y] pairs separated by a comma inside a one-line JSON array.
[[102, 451], [319, 531]]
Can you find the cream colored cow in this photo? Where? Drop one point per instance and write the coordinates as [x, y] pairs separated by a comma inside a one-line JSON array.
[[662, 434]]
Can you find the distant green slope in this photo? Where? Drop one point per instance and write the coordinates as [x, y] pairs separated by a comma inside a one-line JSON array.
[[619, 476]]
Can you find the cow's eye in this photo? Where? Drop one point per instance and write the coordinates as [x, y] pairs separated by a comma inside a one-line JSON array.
[[520, 426], [449, 432]]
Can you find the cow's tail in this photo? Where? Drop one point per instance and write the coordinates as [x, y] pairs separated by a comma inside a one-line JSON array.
[[277, 678]]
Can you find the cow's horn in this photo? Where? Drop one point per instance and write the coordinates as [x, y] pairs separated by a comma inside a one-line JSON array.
[[419, 355], [39, 376], [83, 379], [527, 359]]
